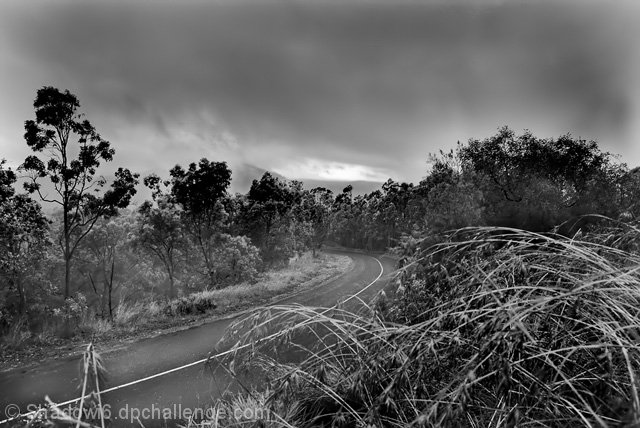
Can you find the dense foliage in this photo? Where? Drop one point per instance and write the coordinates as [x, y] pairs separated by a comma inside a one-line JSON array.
[[504, 180]]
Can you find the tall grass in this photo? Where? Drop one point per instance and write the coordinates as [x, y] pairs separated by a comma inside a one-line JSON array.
[[491, 327], [16, 335]]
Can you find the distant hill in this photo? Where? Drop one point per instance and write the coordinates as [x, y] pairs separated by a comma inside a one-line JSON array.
[[359, 187], [243, 175]]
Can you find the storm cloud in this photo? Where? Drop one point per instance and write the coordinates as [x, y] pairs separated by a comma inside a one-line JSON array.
[[308, 88]]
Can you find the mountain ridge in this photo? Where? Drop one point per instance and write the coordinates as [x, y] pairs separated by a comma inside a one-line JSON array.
[[241, 181]]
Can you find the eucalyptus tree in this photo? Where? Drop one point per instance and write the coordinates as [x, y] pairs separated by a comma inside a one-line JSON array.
[[269, 217], [200, 190], [69, 151], [315, 208]]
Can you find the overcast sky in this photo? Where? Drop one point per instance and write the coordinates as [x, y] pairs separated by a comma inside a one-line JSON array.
[[345, 90]]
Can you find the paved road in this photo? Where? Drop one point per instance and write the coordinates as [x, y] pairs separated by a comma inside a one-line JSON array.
[[189, 388]]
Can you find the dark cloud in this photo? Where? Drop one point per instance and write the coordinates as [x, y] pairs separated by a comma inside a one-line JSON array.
[[365, 83]]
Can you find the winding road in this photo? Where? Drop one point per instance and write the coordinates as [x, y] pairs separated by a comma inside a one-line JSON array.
[[188, 388]]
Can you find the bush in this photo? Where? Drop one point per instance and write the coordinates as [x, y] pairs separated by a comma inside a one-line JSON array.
[[237, 260], [153, 308], [493, 327], [198, 303]]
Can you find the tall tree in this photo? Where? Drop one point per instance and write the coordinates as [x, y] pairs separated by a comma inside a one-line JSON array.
[[200, 191], [315, 209], [344, 218], [75, 150], [268, 216], [199, 187]]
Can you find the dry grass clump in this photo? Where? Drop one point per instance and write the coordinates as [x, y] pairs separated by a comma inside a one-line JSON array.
[[235, 295], [491, 327], [126, 314], [96, 326], [197, 303]]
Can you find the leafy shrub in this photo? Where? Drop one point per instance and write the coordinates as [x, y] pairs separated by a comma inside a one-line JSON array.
[[153, 308], [74, 309], [236, 260]]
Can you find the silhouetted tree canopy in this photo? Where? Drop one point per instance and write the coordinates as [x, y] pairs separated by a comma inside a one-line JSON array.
[[74, 152]]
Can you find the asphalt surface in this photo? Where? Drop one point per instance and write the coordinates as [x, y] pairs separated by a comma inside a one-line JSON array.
[[192, 388]]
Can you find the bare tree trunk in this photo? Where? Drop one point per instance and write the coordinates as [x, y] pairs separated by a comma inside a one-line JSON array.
[[66, 332], [66, 232], [100, 295], [110, 295], [22, 304], [207, 259], [172, 292], [67, 273]]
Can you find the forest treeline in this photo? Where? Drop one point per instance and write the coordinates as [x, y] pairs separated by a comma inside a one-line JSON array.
[[98, 250]]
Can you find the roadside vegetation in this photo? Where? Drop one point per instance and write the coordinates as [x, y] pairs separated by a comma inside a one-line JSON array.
[[516, 302], [489, 328]]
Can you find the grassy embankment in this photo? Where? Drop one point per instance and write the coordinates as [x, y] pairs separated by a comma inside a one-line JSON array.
[[141, 319], [488, 328]]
